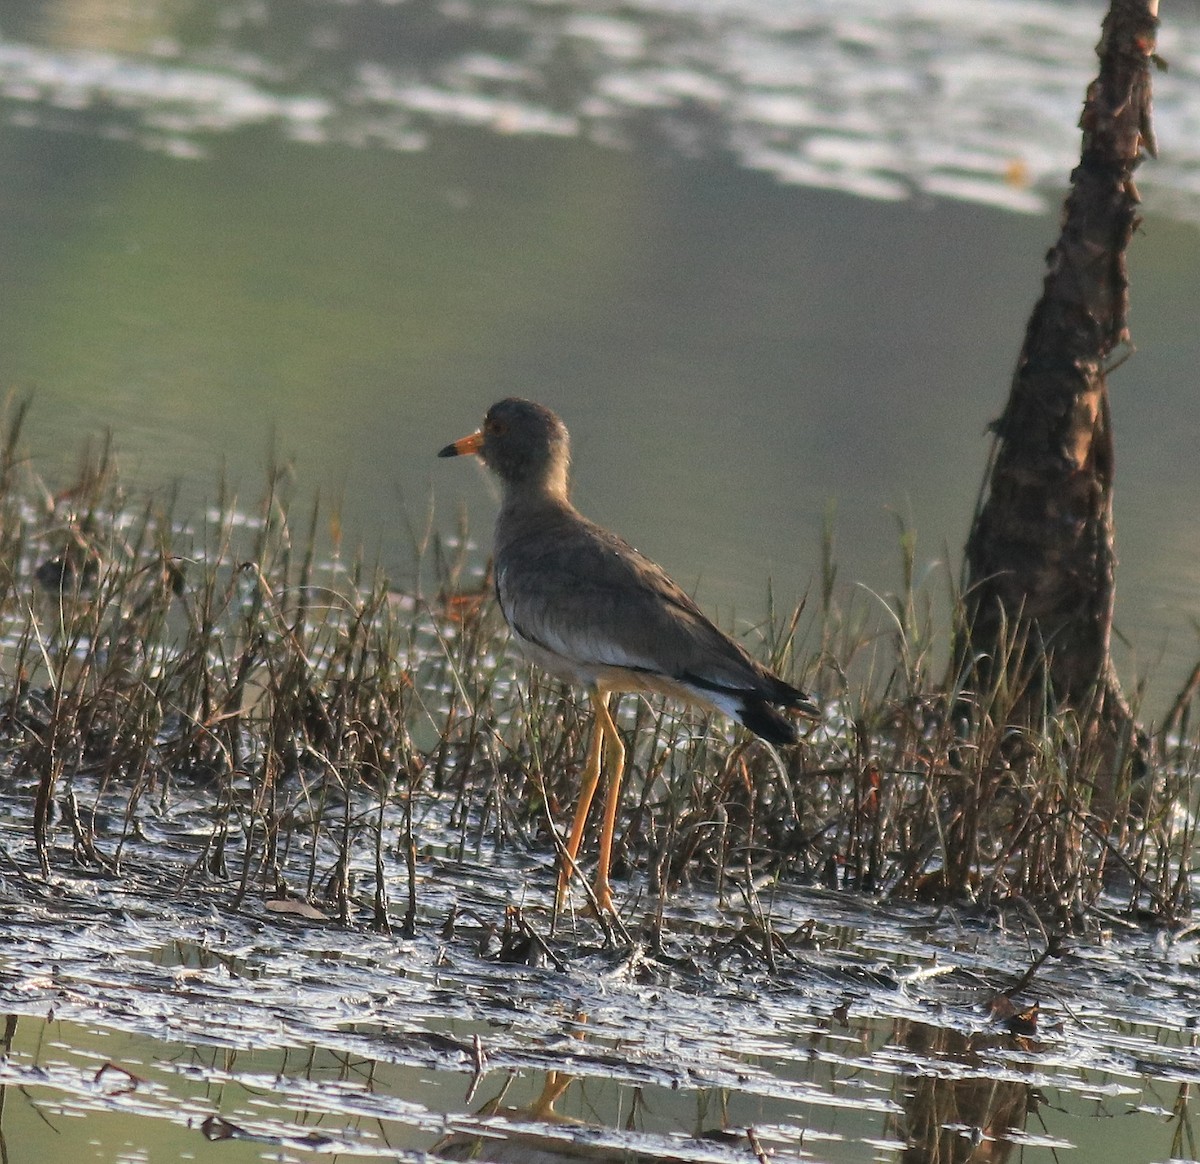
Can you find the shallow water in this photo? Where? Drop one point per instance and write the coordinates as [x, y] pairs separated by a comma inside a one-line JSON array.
[[147, 1021], [765, 259]]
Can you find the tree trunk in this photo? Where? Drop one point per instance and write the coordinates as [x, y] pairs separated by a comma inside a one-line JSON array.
[[1040, 560]]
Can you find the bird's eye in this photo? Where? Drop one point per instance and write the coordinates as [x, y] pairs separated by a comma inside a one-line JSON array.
[[495, 427]]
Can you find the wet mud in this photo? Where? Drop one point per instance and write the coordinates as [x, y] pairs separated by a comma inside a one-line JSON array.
[[782, 1022]]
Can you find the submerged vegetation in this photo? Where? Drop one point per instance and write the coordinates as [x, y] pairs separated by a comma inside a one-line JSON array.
[[337, 731]]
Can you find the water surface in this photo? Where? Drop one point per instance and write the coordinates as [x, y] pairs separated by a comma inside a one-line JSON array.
[[766, 261], [149, 1020]]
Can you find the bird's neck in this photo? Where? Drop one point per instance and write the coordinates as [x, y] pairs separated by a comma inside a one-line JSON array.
[[548, 492], [541, 502]]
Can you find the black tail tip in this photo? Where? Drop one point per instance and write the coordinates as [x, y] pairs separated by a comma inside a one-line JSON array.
[[769, 723]]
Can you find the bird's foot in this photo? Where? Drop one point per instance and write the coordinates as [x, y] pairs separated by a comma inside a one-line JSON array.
[[604, 905], [600, 904], [563, 893]]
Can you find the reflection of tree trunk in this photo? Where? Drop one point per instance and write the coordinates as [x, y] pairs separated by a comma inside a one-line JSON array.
[[960, 1114], [1040, 557]]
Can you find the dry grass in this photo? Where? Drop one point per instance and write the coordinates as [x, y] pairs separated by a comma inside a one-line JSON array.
[[321, 715]]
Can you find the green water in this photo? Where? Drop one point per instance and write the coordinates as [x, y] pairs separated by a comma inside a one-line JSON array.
[[733, 357], [331, 235]]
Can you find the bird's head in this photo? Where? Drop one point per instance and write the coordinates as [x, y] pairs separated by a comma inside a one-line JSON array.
[[523, 443]]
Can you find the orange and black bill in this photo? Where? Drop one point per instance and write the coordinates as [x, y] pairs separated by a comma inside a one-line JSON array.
[[463, 446]]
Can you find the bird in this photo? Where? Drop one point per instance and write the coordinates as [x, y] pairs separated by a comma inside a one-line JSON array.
[[586, 606]]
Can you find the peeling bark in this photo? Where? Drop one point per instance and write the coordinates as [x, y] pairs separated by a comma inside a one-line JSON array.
[[1040, 559]]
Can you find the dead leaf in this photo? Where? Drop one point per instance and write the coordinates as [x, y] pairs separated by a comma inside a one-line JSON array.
[[296, 908]]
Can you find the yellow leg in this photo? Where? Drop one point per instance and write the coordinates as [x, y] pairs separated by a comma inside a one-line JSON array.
[[612, 801], [553, 1090], [591, 778]]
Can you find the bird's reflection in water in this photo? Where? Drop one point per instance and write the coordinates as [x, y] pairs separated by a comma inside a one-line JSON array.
[[524, 1143]]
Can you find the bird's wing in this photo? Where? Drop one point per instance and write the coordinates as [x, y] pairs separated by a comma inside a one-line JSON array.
[[586, 595]]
